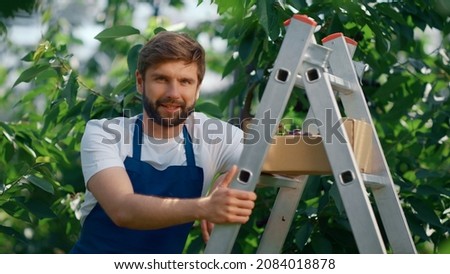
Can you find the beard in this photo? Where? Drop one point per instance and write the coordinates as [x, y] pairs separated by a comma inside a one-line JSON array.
[[151, 108]]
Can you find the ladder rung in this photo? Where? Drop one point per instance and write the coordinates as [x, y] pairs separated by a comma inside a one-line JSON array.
[[273, 180], [269, 180], [373, 181], [338, 84], [360, 69]]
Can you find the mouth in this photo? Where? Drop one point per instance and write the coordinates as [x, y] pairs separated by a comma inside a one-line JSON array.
[[171, 108]]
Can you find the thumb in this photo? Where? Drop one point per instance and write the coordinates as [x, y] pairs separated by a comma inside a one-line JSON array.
[[229, 176]]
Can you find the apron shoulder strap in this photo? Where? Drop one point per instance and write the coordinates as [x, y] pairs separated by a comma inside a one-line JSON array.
[[137, 138], [190, 156]]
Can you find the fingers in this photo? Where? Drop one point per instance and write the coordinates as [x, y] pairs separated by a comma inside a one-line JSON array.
[[240, 217], [233, 206], [210, 227], [206, 228], [243, 195], [244, 203]]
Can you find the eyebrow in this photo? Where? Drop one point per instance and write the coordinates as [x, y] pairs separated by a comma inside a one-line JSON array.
[[158, 74]]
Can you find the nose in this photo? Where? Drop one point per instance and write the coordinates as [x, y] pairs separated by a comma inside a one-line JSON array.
[[172, 90]]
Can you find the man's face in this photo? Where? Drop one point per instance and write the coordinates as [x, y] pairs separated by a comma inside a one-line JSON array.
[[169, 91]]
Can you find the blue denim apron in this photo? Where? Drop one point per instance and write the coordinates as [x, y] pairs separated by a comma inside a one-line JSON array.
[[100, 235]]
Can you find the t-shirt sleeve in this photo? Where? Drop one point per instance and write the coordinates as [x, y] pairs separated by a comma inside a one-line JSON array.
[[100, 147], [231, 151]]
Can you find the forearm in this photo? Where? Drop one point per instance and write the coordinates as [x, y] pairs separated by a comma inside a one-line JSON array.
[[150, 212], [113, 190]]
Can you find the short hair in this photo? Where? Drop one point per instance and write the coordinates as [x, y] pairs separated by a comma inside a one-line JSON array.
[[171, 46]]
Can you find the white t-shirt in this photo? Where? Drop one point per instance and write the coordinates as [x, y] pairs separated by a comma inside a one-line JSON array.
[[106, 143]]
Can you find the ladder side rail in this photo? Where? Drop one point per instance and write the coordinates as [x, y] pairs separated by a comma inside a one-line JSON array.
[[286, 204], [274, 101], [345, 170], [355, 106], [281, 216], [354, 103], [393, 219]]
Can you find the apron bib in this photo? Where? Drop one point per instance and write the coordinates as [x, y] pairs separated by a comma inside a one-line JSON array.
[[100, 235]]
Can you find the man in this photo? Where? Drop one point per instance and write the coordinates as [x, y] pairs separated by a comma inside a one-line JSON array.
[[147, 176]]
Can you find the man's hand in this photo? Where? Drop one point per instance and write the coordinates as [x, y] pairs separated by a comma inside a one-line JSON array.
[[207, 228], [226, 205]]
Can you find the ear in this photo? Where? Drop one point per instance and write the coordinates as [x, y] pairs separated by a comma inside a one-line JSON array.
[[139, 82]]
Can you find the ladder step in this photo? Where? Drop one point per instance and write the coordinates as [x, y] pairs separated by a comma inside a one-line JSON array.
[[274, 180], [374, 181], [340, 85], [270, 180]]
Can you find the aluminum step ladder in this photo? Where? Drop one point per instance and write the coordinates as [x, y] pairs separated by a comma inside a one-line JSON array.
[[325, 72]]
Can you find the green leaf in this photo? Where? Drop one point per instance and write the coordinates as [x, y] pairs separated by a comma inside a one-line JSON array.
[[12, 233], [424, 212], [52, 113], [268, 17], [249, 46], [227, 5], [43, 160], [28, 57], [27, 149], [131, 100], [230, 66], [69, 93], [263, 10], [87, 107], [158, 30], [9, 132], [299, 4], [303, 234], [195, 243], [231, 93], [312, 188], [16, 210], [9, 151], [30, 73], [41, 183], [132, 57], [324, 201], [42, 48], [387, 9], [30, 96], [116, 32], [415, 227], [393, 84], [124, 86], [40, 208], [334, 193], [321, 245]]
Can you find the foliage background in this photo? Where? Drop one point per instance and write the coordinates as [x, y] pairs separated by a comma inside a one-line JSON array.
[[45, 106]]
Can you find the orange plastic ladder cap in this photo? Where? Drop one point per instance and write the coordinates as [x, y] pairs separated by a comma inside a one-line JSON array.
[[303, 18], [332, 37]]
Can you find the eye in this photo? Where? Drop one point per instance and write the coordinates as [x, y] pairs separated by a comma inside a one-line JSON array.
[[160, 79], [186, 82]]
